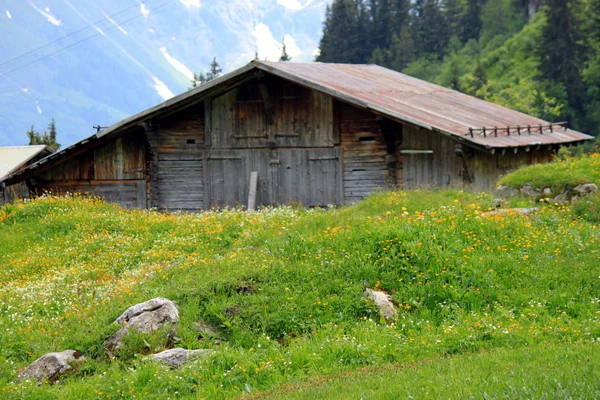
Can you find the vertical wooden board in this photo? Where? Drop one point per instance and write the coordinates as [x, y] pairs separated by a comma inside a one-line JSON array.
[[141, 194], [133, 151]]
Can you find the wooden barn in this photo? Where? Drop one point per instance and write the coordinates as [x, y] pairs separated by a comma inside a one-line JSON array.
[[312, 133]]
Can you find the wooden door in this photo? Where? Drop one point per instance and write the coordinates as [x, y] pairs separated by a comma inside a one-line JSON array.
[[223, 180]]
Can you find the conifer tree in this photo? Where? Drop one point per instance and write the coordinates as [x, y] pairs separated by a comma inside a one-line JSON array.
[[215, 70], [470, 21], [48, 138], [340, 34], [431, 29], [402, 49], [284, 54], [560, 51]]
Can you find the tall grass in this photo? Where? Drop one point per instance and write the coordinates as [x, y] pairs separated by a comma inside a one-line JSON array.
[[283, 289]]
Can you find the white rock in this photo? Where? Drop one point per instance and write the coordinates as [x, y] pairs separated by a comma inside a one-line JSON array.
[[50, 366], [145, 317], [178, 356], [383, 301]]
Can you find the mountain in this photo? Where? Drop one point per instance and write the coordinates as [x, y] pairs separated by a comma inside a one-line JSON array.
[[98, 62]]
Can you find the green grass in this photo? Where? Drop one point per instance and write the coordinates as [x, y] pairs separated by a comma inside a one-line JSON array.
[[540, 372], [560, 175], [283, 288]]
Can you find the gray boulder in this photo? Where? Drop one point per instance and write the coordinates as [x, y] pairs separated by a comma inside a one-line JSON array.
[[176, 357], [528, 190], [585, 189], [384, 302], [507, 191], [50, 366], [145, 317]]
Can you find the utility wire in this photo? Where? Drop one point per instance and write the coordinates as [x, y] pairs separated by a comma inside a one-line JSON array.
[[66, 36], [80, 42]]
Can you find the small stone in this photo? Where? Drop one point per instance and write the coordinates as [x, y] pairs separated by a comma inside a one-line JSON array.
[[383, 301], [562, 198], [585, 189], [521, 211], [528, 190], [498, 203], [144, 317], [507, 191], [50, 366], [547, 191], [176, 357]]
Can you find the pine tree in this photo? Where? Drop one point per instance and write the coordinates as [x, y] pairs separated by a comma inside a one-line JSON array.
[[560, 51], [480, 78], [455, 76], [453, 10], [284, 54], [379, 57], [340, 33], [402, 49], [215, 70], [470, 21], [48, 138], [431, 29]]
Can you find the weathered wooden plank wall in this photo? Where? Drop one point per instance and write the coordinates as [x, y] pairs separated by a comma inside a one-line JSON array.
[[115, 171], [440, 168], [365, 153], [271, 113], [488, 168], [307, 176], [177, 180]]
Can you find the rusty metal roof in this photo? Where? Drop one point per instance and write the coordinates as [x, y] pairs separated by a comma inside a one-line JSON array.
[[380, 90], [425, 104]]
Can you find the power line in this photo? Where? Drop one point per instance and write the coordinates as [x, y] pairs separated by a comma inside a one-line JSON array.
[[78, 43], [66, 36]]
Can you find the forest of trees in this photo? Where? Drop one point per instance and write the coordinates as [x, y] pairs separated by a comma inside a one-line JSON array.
[[541, 57]]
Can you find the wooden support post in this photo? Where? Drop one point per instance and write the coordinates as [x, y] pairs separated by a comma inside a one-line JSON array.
[[252, 192]]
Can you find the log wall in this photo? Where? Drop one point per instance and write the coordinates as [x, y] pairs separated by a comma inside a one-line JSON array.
[[365, 152]]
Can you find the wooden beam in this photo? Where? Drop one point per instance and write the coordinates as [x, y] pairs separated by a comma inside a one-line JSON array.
[[252, 192], [267, 102]]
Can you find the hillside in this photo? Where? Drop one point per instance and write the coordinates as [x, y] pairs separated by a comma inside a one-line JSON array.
[[282, 292]]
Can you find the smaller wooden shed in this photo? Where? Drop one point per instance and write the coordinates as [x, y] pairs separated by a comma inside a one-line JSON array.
[[14, 158], [309, 133]]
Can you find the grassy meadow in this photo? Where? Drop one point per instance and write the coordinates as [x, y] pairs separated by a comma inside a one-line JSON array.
[[491, 306]]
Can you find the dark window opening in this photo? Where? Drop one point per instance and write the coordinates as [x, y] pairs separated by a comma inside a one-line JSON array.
[[191, 141], [366, 139]]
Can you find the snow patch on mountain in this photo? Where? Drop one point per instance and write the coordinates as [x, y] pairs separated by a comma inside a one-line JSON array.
[[8, 14], [191, 3], [178, 65], [145, 12], [47, 13], [162, 89], [115, 23], [268, 47]]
